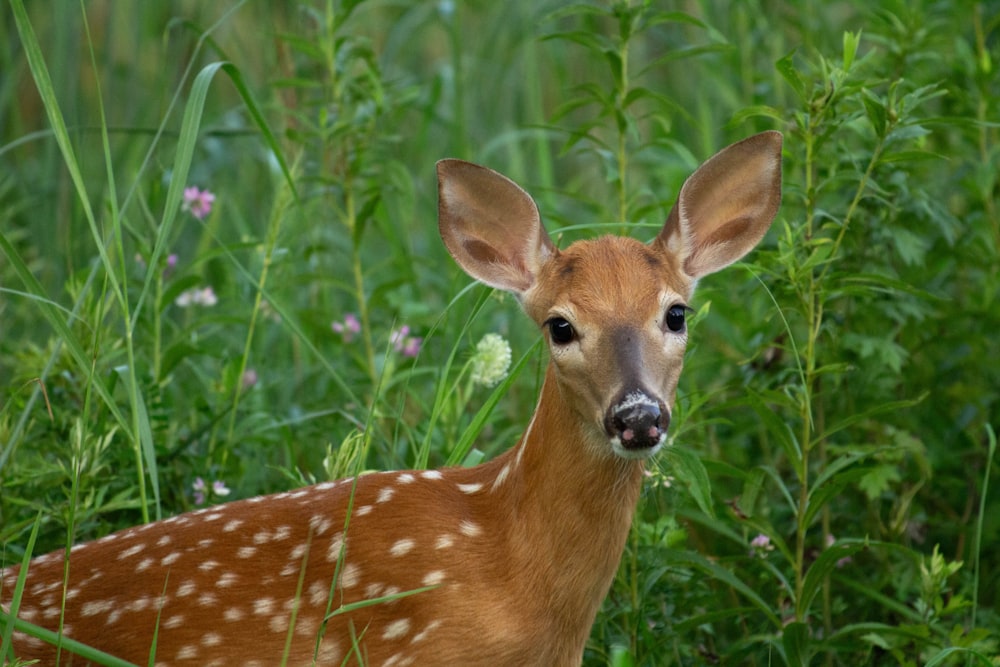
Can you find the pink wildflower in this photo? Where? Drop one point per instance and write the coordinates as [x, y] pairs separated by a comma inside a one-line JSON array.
[[760, 545], [249, 378], [198, 202], [171, 265], [198, 486], [404, 343], [411, 347], [202, 490], [348, 328]]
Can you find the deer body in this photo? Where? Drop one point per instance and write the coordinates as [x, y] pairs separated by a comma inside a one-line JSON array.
[[505, 563]]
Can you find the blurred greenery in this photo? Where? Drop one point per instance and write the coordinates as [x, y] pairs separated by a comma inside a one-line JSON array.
[[841, 387]]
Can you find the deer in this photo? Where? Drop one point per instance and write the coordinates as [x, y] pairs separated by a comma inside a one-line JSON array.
[[503, 563]]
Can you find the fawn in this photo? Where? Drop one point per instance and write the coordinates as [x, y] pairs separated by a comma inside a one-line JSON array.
[[505, 563]]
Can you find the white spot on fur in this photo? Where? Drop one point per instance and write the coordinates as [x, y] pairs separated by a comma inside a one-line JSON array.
[[444, 541], [188, 652], [396, 629], [406, 478], [385, 495], [501, 477], [139, 604], [469, 528], [211, 639], [402, 547], [363, 510], [232, 525], [170, 558], [431, 474], [470, 488], [422, 635], [29, 613], [226, 580], [234, 614], [317, 593], [263, 606], [131, 551], [433, 578], [246, 552], [319, 524], [163, 541], [144, 564], [279, 623], [208, 565], [336, 546], [186, 589], [350, 575]]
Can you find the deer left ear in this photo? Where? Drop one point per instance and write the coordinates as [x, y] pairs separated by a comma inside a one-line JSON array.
[[491, 226], [726, 206]]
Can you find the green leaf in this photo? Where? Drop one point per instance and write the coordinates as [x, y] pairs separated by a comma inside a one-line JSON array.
[[945, 653], [795, 641], [875, 110], [851, 41], [859, 417], [878, 479], [691, 471], [821, 568], [721, 574], [786, 68], [777, 427], [752, 487]]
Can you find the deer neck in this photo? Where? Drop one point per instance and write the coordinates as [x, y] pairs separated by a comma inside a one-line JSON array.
[[570, 507]]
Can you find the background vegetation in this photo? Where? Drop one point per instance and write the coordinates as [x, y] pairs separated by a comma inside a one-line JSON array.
[[841, 391]]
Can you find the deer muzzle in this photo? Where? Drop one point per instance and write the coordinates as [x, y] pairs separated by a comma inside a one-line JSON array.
[[637, 425]]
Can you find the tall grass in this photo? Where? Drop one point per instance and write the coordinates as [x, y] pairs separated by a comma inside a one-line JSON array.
[[827, 499]]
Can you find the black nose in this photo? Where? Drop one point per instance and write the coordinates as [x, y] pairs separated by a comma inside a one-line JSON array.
[[639, 423]]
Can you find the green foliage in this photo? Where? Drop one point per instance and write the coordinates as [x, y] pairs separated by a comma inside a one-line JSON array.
[[827, 497]]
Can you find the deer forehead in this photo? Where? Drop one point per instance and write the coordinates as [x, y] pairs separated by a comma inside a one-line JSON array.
[[607, 280]]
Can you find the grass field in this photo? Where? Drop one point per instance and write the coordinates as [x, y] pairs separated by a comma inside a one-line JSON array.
[[220, 276]]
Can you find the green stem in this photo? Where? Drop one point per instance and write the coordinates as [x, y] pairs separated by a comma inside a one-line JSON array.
[[622, 127], [274, 229], [350, 213]]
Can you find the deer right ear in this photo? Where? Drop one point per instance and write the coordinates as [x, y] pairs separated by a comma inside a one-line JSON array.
[[726, 206], [491, 226]]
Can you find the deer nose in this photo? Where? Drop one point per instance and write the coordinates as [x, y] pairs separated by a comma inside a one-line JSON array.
[[638, 422]]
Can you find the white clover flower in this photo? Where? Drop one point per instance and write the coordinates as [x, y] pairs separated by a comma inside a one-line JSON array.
[[491, 360]]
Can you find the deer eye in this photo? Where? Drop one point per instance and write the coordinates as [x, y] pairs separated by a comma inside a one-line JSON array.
[[561, 331], [675, 318]]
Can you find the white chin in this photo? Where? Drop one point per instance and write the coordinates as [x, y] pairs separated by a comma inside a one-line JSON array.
[[636, 454]]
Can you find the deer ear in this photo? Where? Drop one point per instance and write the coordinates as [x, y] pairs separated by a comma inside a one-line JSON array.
[[491, 226], [726, 206]]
